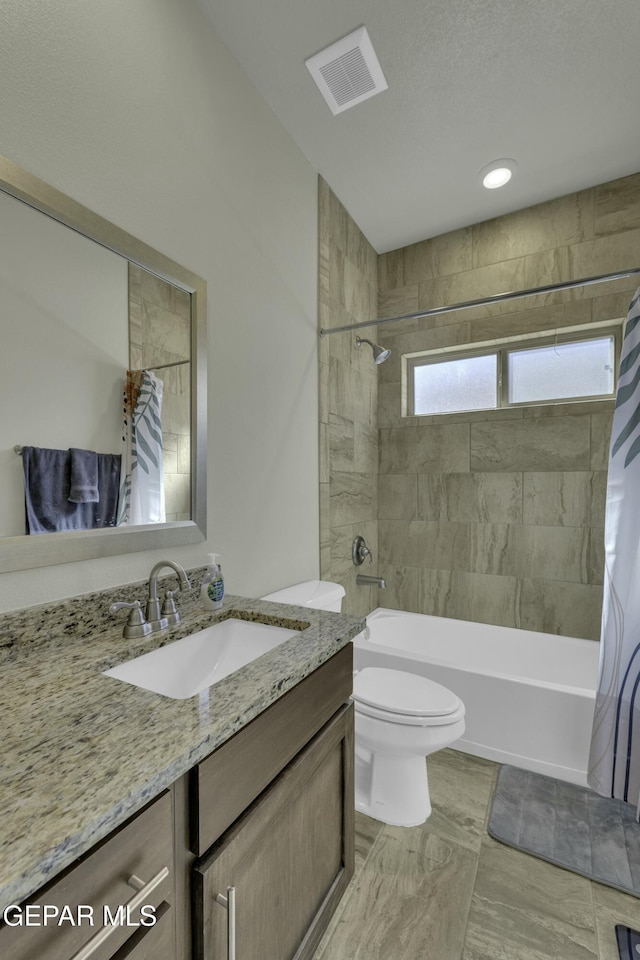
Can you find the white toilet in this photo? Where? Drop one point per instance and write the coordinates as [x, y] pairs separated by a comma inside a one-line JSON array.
[[400, 718], [320, 594]]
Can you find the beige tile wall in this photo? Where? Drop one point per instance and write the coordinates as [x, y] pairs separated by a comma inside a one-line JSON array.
[[499, 516], [348, 293], [160, 333]]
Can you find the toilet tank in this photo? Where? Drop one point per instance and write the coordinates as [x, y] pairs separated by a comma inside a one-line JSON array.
[[320, 594]]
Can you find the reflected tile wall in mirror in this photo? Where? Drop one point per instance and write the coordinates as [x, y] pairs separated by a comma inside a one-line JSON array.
[[160, 339]]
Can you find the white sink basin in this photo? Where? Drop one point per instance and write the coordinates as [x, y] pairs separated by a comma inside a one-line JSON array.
[[188, 666]]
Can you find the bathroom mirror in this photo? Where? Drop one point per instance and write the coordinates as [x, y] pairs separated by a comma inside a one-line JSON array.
[[80, 302]]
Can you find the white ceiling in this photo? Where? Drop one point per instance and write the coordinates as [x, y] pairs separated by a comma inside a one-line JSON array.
[[555, 84]]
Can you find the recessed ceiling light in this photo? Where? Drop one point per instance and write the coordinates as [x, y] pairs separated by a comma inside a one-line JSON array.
[[497, 173]]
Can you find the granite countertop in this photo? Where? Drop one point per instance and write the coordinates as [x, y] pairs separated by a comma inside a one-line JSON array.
[[80, 752]]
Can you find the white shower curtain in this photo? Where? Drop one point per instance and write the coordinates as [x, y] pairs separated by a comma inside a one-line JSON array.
[[141, 478], [614, 763]]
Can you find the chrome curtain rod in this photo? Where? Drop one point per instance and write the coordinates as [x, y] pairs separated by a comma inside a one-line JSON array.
[[498, 298], [162, 366]]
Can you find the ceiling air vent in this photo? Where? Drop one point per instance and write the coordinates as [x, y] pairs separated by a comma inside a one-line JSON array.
[[348, 71]]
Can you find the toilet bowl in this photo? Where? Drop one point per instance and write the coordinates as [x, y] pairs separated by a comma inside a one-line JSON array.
[[400, 719], [319, 594]]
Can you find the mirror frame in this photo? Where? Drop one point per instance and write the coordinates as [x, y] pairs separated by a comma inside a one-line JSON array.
[[28, 552]]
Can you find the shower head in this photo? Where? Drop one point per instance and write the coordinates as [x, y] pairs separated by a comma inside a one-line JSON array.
[[379, 353]]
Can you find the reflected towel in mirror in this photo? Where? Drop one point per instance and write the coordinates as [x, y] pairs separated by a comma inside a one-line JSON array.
[[142, 480], [47, 484], [83, 480]]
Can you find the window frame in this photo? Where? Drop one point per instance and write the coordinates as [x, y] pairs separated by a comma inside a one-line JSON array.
[[501, 349]]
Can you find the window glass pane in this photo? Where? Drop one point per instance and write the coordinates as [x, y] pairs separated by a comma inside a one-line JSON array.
[[452, 385], [562, 370]]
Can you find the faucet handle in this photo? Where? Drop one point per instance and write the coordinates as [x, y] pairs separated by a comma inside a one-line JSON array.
[[360, 550], [136, 625], [169, 609]]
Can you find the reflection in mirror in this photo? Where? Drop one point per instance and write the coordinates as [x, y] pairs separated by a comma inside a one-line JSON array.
[[63, 303], [160, 343], [80, 316], [86, 307]]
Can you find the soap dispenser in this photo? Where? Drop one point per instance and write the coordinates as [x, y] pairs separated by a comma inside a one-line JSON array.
[[212, 589]]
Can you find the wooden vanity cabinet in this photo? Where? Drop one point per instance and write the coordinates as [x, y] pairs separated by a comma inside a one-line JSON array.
[[290, 854], [271, 812]]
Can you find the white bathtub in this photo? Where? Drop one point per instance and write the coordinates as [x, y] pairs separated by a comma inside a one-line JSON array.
[[529, 696]]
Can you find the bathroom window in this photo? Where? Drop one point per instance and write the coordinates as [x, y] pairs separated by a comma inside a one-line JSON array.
[[563, 368], [447, 386], [562, 371]]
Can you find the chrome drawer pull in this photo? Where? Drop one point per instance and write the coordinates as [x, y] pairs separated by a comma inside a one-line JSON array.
[[144, 889], [229, 902]]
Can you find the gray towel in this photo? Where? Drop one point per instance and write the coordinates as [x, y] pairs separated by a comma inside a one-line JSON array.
[[46, 489], [47, 478], [83, 480], [104, 514]]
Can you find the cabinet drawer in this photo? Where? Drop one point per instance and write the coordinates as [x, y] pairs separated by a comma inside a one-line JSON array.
[[224, 784], [141, 848]]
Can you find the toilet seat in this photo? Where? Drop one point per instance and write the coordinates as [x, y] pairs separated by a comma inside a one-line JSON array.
[[400, 697]]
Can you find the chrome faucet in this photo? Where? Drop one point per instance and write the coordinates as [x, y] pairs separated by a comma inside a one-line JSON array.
[[160, 617], [155, 617]]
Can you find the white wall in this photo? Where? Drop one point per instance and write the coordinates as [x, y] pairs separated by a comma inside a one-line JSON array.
[[138, 111]]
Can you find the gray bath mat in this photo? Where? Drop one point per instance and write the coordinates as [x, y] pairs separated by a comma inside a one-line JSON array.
[[628, 943], [568, 825]]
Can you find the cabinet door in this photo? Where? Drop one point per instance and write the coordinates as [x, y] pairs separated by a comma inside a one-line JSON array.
[[289, 857]]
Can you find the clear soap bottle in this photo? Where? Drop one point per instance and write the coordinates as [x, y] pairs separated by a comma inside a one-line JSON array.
[[212, 589]]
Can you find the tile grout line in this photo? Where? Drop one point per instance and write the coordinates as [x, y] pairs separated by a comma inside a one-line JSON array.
[[470, 902], [594, 919]]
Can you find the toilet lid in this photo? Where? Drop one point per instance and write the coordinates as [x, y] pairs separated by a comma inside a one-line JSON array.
[[399, 692]]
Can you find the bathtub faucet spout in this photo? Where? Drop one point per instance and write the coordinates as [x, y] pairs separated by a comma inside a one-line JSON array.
[[364, 581]]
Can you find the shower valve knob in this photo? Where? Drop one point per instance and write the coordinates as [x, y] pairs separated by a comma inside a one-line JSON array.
[[360, 550]]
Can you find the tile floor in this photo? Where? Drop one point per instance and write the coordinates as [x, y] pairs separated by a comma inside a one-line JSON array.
[[447, 891]]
